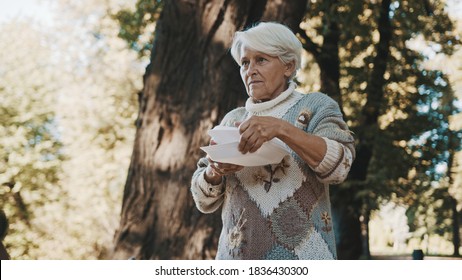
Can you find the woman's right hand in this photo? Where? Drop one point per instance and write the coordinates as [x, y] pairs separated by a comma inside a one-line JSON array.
[[216, 170]]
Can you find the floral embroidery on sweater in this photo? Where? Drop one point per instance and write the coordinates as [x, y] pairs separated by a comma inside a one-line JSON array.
[[346, 163], [326, 219], [235, 236], [270, 185], [263, 178], [282, 211]]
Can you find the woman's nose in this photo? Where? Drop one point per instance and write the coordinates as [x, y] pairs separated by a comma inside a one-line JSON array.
[[251, 70]]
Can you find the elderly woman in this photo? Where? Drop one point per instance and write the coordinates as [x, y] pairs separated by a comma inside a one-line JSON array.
[[277, 211]]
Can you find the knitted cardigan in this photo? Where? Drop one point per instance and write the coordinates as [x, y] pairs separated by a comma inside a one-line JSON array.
[[281, 211]]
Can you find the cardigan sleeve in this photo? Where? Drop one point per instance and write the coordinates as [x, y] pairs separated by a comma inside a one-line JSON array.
[[208, 197], [336, 163], [327, 122]]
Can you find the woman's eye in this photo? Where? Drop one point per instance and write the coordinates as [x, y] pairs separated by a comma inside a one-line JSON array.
[[261, 59], [245, 63]]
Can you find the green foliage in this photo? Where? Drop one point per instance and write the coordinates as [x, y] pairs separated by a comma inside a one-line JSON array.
[[68, 106], [430, 103], [454, 68], [135, 23], [30, 149], [97, 111], [413, 140], [410, 108], [431, 208]]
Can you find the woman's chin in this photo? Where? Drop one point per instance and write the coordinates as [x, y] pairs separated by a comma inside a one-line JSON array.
[[257, 98]]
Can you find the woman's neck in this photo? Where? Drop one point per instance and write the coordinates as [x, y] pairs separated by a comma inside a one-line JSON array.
[[253, 105]]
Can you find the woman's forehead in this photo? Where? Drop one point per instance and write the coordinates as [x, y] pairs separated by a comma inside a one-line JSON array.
[[247, 51]]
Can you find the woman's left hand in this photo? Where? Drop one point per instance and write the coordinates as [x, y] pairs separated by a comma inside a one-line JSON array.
[[257, 130]]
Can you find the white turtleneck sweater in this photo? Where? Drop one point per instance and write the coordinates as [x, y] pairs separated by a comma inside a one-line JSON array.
[[278, 107]]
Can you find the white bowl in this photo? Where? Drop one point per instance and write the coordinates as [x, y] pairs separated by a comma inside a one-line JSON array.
[[271, 152]]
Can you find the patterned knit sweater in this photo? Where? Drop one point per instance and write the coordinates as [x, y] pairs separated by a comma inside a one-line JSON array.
[[281, 211]]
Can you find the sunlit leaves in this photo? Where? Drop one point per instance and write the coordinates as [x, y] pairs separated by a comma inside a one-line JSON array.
[[30, 148], [67, 111], [136, 24], [413, 142]]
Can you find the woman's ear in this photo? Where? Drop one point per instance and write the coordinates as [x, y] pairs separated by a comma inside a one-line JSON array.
[[289, 69]]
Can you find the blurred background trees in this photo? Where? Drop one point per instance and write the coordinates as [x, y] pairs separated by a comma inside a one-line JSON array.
[[31, 156], [68, 106], [390, 100], [69, 92]]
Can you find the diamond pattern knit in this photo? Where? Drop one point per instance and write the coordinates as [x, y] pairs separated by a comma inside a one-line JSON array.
[[279, 211]]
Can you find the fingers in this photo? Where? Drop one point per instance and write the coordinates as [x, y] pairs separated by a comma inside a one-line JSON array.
[[222, 169], [259, 142], [251, 143], [243, 126], [252, 138], [246, 142], [244, 146], [225, 168], [255, 131]]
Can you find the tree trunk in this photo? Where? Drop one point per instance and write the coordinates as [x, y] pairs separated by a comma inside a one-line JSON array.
[[346, 220], [368, 129], [189, 85], [455, 228], [364, 219], [346, 206], [329, 62]]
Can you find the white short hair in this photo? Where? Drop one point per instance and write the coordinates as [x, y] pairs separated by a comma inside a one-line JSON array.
[[271, 38]]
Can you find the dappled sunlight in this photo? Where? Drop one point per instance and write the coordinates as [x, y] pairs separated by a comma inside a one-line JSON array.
[[171, 151], [390, 235], [75, 94], [72, 89]]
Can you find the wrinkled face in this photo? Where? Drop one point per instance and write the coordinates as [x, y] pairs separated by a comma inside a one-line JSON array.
[[264, 76]]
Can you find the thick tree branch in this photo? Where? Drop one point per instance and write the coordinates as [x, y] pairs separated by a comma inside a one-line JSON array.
[[375, 93], [428, 7], [308, 44], [376, 79]]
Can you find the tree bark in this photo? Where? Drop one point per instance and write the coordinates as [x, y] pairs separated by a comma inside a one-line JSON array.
[[455, 228], [327, 54], [346, 206], [189, 85], [364, 219], [368, 129], [328, 59]]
